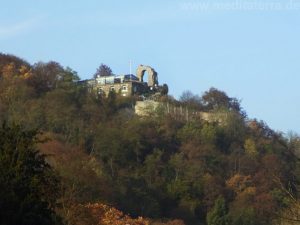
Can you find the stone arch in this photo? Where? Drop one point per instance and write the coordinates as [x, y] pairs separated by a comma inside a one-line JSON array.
[[152, 75]]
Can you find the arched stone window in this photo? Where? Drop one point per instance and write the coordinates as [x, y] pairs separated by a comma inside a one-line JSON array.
[[152, 75]]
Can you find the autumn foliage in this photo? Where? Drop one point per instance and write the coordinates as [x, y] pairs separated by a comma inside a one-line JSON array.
[[113, 167]]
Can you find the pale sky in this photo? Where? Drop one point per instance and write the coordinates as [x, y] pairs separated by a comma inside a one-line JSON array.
[[249, 49]]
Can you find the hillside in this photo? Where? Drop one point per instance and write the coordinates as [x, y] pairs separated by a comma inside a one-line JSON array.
[[100, 162]]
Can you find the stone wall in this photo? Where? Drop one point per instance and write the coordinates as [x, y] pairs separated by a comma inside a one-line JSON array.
[[146, 108], [151, 108]]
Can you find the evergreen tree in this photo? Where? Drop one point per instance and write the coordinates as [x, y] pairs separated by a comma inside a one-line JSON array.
[[28, 186], [103, 71], [218, 214]]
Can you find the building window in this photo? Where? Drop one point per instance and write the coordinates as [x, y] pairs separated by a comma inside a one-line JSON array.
[[112, 88], [124, 88]]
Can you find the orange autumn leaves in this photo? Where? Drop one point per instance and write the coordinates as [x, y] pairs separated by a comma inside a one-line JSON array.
[[11, 70], [101, 214], [106, 215]]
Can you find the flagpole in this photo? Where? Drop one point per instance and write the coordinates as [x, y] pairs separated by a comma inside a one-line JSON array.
[[130, 66]]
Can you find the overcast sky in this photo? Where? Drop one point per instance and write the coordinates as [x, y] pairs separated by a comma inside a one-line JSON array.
[[249, 49]]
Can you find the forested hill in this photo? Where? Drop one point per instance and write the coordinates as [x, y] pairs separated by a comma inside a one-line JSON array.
[[67, 154]]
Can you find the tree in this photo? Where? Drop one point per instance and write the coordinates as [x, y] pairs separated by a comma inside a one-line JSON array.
[[191, 100], [103, 71], [6, 59], [216, 99], [29, 187], [68, 79], [153, 166], [250, 147], [9, 70], [46, 76], [294, 143], [218, 215]]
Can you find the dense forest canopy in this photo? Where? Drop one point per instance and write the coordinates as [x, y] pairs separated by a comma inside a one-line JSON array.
[[64, 149]]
